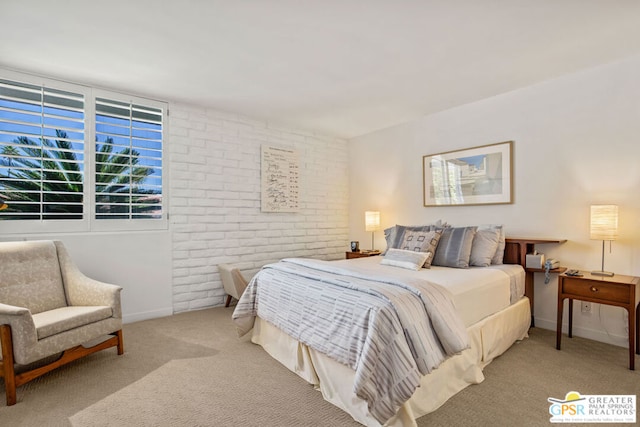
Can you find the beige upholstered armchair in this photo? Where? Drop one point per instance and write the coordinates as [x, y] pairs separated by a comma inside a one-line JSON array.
[[48, 307], [233, 282]]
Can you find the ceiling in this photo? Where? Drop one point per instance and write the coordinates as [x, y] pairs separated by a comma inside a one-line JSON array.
[[337, 67]]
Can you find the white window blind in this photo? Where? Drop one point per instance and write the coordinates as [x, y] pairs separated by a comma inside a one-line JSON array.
[[42, 133], [128, 160], [77, 159]]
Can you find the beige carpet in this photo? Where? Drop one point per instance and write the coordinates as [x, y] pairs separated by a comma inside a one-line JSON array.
[[191, 370]]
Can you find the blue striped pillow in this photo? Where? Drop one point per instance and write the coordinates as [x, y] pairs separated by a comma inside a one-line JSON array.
[[454, 248]]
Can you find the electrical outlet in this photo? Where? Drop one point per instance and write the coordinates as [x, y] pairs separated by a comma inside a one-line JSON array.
[[585, 307]]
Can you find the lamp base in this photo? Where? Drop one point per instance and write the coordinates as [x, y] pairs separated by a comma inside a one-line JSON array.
[[602, 273]]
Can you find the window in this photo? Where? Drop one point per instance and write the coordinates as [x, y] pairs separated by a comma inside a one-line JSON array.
[[76, 159], [128, 160], [42, 148]]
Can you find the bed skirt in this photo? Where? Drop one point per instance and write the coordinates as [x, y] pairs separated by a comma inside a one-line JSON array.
[[489, 338]]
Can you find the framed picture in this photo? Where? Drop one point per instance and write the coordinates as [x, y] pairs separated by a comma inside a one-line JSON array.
[[474, 176]]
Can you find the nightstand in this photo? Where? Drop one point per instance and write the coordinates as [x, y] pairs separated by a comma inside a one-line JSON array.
[[516, 252], [362, 254], [621, 291]]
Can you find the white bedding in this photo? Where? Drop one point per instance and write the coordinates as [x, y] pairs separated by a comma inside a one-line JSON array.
[[477, 292], [389, 329], [490, 337], [482, 297]]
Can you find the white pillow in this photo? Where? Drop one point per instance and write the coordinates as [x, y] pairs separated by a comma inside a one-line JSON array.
[[405, 259], [484, 246], [498, 257]]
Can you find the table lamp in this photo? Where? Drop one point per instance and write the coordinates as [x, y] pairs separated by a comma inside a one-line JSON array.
[[372, 223], [604, 226]]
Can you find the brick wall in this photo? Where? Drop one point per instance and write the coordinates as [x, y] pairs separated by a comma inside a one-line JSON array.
[[215, 212]]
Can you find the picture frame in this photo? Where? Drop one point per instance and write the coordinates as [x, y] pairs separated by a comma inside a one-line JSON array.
[[473, 176]]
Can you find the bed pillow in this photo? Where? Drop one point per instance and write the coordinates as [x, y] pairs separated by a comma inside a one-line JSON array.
[[498, 257], [390, 237], [454, 248], [405, 259], [484, 246], [394, 235], [422, 241]]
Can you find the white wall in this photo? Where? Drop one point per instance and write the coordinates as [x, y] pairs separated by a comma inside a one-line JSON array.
[[215, 201], [138, 262], [214, 215], [577, 142]]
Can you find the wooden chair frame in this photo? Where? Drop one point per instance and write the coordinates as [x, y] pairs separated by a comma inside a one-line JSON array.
[[7, 368]]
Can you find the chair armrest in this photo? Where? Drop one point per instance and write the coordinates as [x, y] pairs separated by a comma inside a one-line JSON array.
[[23, 330], [82, 290], [11, 311]]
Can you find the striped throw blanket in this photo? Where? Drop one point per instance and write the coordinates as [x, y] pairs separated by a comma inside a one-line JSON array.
[[389, 332]]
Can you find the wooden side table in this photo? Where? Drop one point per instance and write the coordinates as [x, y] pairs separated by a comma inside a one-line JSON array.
[[350, 255], [621, 291], [516, 251]]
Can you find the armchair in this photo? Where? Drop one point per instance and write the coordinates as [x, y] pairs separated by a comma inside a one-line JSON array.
[[48, 307], [233, 282]]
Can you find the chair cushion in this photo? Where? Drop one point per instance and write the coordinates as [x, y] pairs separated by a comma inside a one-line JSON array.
[[31, 276], [63, 319]]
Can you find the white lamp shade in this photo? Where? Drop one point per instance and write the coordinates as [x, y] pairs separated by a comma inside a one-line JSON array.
[[372, 221], [604, 222]]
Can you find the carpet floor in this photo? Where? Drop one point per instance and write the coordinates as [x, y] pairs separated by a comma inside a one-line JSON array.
[[190, 369]]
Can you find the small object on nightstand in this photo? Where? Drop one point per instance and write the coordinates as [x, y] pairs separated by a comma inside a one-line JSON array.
[[355, 246], [534, 260], [550, 264]]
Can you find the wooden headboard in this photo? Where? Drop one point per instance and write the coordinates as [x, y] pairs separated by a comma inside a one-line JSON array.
[[512, 252]]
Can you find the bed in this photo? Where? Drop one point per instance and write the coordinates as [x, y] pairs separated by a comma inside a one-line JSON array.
[[386, 344]]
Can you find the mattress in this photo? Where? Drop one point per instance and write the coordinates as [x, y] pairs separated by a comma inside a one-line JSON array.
[[477, 292]]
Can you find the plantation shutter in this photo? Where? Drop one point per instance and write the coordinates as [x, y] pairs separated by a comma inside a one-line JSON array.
[[42, 134], [128, 160]]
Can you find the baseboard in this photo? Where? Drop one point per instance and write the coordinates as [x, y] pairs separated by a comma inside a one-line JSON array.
[[146, 315], [592, 334]]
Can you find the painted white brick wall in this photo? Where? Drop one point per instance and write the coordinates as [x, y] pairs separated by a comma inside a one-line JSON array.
[[214, 208]]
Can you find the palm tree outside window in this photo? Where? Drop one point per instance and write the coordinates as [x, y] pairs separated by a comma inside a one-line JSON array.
[[43, 156]]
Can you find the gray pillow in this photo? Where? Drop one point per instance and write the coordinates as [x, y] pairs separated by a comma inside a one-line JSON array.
[[390, 237], [484, 246], [422, 241], [498, 258], [454, 248], [404, 259]]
